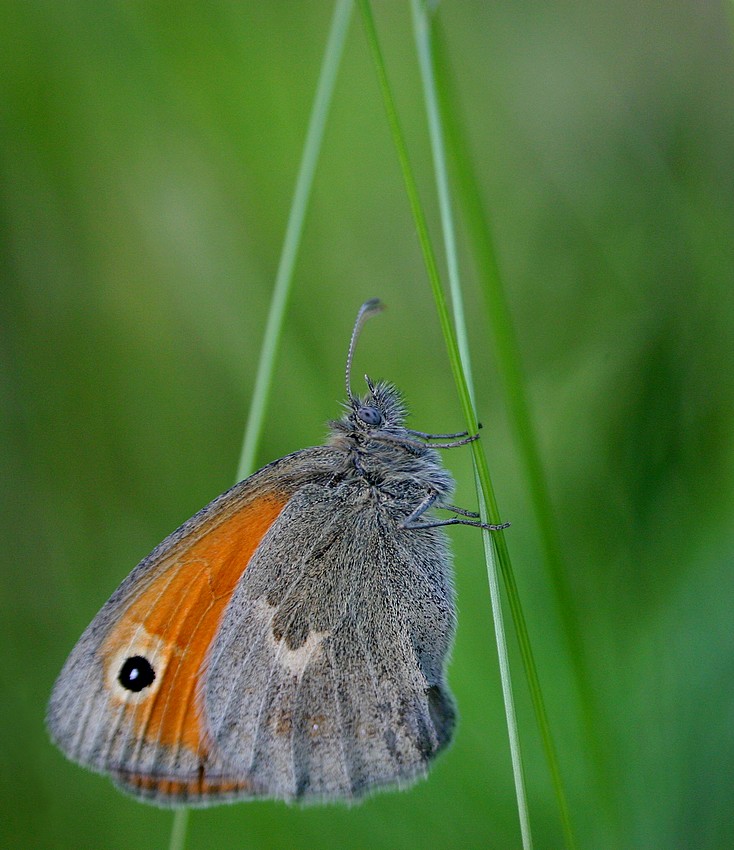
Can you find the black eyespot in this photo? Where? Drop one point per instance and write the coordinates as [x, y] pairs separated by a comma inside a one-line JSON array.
[[370, 415], [136, 673]]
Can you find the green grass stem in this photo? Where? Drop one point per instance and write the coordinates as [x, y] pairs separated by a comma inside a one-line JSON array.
[[482, 471], [179, 829], [283, 282], [284, 277], [422, 32], [507, 352]]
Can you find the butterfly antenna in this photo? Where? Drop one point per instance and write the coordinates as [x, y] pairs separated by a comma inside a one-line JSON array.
[[366, 311]]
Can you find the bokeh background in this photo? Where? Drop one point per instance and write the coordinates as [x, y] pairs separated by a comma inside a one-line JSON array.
[[148, 157]]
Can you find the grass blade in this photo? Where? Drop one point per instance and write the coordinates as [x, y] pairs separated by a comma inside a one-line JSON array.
[[500, 320], [273, 330], [508, 357], [487, 491], [178, 831], [425, 60], [281, 290]]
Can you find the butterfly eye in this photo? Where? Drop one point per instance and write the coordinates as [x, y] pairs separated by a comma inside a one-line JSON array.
[[136, 673], [370, 415]]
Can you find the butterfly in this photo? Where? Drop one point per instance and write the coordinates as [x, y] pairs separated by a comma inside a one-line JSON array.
[[290, 640]]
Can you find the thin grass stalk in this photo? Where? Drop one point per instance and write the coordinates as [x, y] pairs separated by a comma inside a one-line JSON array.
[[284, 277], [422, 32], [428, 70], [179, 829], [509, 360], [283, 282], [482, 470], [429, 258]]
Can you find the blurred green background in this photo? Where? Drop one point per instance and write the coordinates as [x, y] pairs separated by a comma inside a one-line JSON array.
[[148, 157]]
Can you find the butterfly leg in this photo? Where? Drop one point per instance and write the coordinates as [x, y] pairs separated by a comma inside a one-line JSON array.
[[416, 448], [455, 510], [451, 444], [425, 436], [460, 438], [411, 521]]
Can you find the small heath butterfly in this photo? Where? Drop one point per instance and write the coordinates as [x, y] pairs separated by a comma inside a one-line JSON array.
[[288, 641]]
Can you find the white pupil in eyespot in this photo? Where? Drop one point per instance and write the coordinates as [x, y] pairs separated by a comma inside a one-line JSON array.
[[136, 674]]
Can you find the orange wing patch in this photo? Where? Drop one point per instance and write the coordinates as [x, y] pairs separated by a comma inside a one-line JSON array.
[[172, 625]]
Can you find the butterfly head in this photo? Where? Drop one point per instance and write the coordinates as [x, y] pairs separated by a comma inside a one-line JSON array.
[[380, 409]]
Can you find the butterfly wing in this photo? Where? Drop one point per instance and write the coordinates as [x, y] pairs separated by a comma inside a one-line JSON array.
[[326, 679], [128, 700]]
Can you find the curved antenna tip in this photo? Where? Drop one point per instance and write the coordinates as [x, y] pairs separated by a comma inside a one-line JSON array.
[[371, 306], [366, 311]]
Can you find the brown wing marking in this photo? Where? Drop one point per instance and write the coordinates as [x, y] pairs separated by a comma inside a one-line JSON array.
[[181, 791]]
